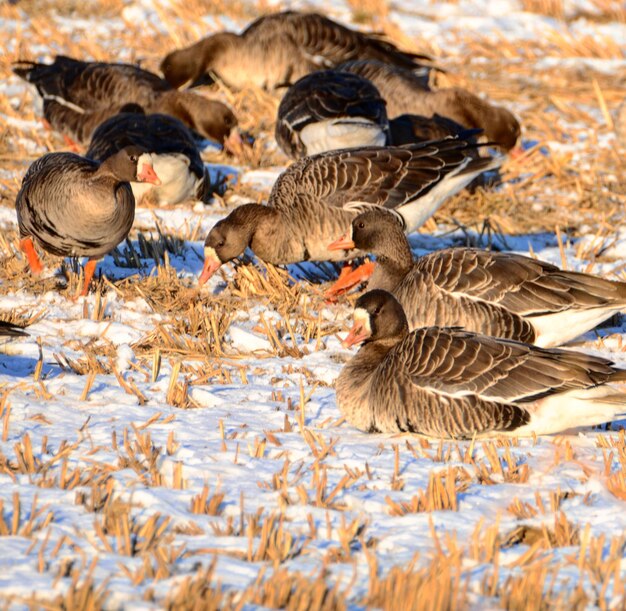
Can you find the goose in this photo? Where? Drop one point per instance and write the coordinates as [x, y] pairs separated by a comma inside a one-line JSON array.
[[76, 207], [405, 94], [495, 293], [330, 110], [452, 384], [276, 50], [79, 95], [175, 157], [8, 329], [317, 197]]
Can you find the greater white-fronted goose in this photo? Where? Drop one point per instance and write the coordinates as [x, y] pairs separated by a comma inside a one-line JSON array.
[[73, 206], [78, 96], [317, 197], [278, 49], [405, 94], [495, 293], [452, 384], [175, 157], [330, 110], [8, 329]]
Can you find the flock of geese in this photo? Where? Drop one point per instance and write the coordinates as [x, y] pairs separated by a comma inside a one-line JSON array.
[[460, 343]]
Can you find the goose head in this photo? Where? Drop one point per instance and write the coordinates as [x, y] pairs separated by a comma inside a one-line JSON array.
[[229, 238], [377, 316], [209, 118], [132, 164]]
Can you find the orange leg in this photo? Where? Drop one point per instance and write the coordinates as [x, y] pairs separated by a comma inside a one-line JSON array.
[[90, 268], [350, 278], [28, 248]]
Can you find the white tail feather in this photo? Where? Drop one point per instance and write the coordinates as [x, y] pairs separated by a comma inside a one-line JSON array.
[[342, 133], [562, 327], [418, 211], [573, 409]]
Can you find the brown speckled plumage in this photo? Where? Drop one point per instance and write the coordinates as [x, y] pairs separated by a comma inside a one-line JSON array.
[[316, 198], [406, 94], [500, 294], [276, 50], [78, 96], [453, 384], [74, 206]]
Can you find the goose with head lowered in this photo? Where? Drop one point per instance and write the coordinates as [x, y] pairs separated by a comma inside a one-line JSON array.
[[75, 207], [331, 109], [495, 293], [452, 384], [319, 196], [78, 96], [276, 50], [405, 93], [175, 157]]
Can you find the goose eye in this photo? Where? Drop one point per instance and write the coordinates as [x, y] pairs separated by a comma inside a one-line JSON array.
[[133, 158], [361, 225], [377, 311], [220, 243]]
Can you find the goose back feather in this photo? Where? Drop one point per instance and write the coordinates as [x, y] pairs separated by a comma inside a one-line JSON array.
[[278, 49]]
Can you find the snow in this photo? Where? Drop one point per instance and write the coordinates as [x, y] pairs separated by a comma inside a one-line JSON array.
[[243, 426]]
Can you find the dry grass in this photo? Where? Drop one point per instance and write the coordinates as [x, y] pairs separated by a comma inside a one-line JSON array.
[[188, 348]]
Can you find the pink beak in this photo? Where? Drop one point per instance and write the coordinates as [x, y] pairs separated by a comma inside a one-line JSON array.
[[147, 174], [356, 335], [343, 243], [210, 267]]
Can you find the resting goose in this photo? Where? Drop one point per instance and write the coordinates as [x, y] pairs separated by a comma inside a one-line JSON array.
[[276, 50], [76, 207], [330, 110], [78, 96], [405, 94], [175, 157], [495, 293], [452, 384], [317, 197]]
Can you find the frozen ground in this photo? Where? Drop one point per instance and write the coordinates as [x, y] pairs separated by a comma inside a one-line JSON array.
[[153, 429]]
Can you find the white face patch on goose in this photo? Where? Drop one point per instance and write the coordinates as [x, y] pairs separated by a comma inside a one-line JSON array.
[[362, 318], [209, 253]]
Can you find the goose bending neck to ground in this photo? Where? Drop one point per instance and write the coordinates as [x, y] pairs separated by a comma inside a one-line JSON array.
[[319, 196], [330, 110], [495, 293], [78, 96], [73, 206], [276, 50], [405, 93], [451, 384]]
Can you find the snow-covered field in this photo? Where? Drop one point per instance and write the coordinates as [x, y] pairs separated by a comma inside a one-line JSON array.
[[163, 444]]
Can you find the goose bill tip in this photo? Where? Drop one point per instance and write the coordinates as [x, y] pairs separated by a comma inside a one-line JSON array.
[[345, 242], [147, 174], [357, 334], [211, 265]]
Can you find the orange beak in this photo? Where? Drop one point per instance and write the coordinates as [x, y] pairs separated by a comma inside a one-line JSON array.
[[357, 334], [233, 143], [211, 265], [343, 243], [147, 174]]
